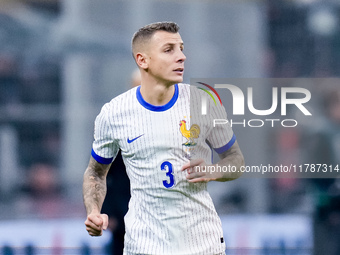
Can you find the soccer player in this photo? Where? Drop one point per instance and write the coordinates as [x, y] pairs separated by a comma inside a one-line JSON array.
[[166, 146]]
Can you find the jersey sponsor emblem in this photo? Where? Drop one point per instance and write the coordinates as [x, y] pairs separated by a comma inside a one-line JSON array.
[[134, 139], [190, 134]]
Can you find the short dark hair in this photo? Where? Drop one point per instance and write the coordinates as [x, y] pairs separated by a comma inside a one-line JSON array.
[[146, 32]]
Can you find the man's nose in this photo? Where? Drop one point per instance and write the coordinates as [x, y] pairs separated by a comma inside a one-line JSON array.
[[181, 57]]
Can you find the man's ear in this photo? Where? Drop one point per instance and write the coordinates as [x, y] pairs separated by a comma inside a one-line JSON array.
[[141, 60]]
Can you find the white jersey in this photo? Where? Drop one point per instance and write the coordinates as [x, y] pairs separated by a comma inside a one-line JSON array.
[[167, 214]]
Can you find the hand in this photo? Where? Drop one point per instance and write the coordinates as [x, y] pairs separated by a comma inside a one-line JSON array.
[[198, 171], [96, 223]]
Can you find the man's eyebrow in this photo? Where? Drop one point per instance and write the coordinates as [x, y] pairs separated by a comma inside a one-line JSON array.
[[173, 44]]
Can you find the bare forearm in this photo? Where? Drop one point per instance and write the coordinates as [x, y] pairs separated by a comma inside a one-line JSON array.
[[94, 187], [232, 163]]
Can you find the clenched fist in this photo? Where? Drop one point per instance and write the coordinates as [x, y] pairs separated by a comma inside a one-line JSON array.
[[96, 223]]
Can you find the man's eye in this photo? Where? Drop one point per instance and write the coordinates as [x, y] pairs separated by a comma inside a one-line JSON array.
[[167, 50]]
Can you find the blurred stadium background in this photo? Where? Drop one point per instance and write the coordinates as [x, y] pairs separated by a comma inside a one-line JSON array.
[[61, 60]]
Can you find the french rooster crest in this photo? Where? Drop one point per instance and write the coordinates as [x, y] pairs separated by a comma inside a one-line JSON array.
[[191, 134]]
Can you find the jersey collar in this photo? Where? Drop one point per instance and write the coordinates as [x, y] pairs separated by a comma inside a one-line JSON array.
[[157, 108]]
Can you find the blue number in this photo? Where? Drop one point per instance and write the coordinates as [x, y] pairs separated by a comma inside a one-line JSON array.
[[167, 166]]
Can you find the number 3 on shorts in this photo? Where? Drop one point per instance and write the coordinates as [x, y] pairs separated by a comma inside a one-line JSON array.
[[167, 166]]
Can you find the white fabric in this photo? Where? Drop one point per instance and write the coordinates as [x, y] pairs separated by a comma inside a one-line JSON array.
[[167, 215]]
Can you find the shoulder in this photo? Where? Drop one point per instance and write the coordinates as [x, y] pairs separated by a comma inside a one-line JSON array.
[[195, 94], [127, 95], [185, 86], [190, 90], [118, 104], [121, 99], [194, 90]]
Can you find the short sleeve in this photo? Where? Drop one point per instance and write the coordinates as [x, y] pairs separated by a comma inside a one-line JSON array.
[[104, 147], [221, 136]]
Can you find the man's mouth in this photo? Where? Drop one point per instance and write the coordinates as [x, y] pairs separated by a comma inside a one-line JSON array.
[[179, 70]]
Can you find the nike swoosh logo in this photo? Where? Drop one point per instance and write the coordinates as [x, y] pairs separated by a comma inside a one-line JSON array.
[[130, 141]]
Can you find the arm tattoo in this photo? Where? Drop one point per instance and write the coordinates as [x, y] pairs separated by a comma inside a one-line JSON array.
[[94, 185], [233, 157]]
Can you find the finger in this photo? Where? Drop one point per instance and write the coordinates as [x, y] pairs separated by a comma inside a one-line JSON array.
[[185, 166], [195, 180], [90, 226], [94, 223], [194, 175], [96, 219], [105, 219], [94, 232], [192, 163]]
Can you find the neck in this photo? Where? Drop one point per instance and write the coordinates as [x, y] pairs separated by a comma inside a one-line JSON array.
[[157, 94]]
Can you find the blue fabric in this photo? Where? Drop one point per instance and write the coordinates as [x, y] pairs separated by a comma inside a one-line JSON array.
[[100, 159], [156, 108], [227, 146]]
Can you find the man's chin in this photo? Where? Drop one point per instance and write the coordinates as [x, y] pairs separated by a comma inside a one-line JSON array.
[[175, 81], [178, 80]]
